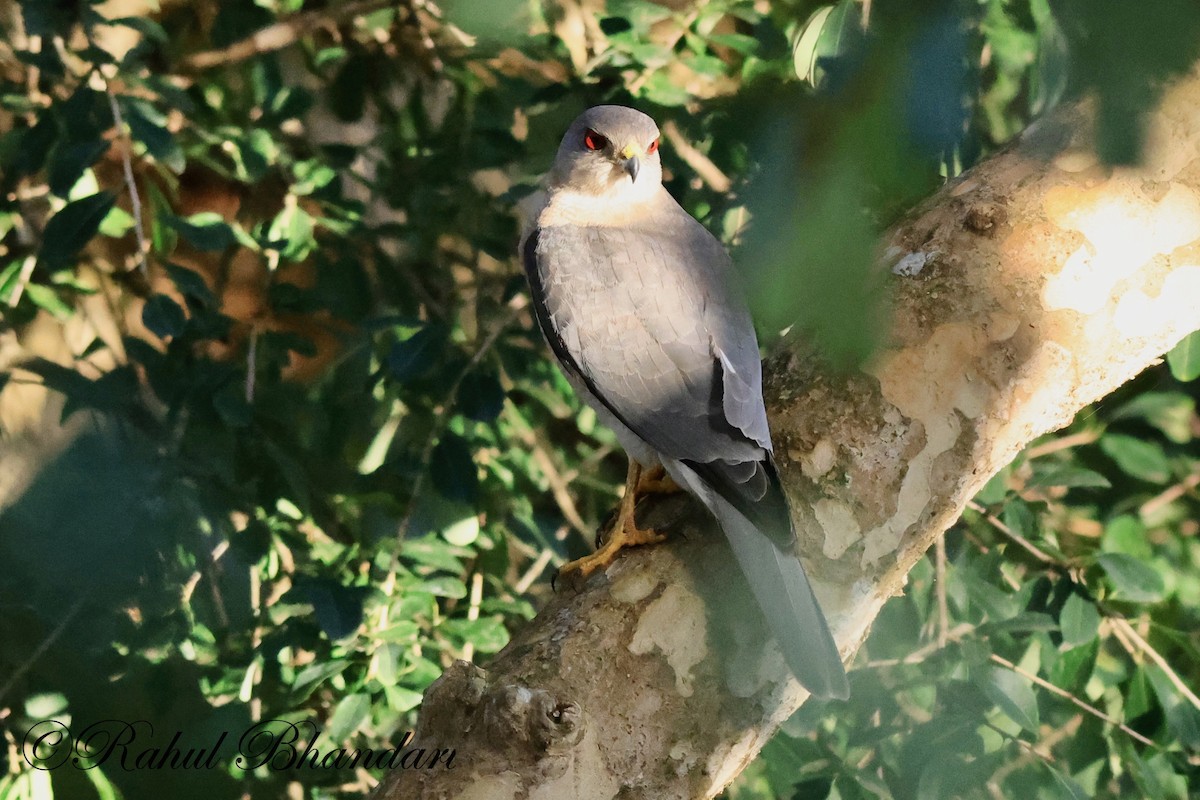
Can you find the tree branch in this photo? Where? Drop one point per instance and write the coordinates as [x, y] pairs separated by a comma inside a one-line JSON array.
[[1033, 285]]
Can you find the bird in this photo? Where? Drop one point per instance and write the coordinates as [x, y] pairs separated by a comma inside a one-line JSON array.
[[638, 303]]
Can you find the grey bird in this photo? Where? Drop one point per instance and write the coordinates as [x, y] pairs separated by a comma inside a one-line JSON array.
[[636, 300]]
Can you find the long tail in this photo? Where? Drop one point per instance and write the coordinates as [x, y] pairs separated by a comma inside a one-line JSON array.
[[782, 590]]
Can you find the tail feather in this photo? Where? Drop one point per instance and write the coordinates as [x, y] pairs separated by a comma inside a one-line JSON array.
[[782, 591]]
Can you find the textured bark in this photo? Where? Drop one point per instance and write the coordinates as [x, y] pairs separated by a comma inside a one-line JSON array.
[[1031, 286]]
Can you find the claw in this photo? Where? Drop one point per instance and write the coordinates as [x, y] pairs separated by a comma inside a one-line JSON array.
[[623, 533]]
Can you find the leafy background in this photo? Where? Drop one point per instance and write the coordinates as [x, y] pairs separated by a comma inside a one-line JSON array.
[[281, 439]]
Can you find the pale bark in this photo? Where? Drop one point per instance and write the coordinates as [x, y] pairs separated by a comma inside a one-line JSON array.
[[1031, 286]]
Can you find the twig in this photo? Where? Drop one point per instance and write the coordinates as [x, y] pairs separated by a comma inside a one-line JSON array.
[[545, 462], [1043, 751], [1063, 693], [414, 19], [1141, 645], [22, 280], [280, 35], [709, 172], [468, 652], [135, 200], [917, 656], [1170, 495], [535, 569], [20, 671], [251, 365], [1016, 537], [189, 587], [1061, 443], [939, 587]]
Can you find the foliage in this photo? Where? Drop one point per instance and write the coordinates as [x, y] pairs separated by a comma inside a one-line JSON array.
[[313, 449]]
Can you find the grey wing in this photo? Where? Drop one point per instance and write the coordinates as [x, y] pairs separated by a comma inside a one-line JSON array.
[[648, 322]]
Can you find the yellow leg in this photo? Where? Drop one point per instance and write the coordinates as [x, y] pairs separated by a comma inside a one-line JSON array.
[[623, 533], [656, 481]]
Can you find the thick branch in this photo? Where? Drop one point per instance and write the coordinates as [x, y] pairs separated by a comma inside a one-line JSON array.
[[1035, 284]]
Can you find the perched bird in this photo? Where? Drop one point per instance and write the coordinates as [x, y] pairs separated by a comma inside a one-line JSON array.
[[636, 301]]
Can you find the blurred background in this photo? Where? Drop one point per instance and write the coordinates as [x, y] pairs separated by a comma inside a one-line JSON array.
[[280, 439]]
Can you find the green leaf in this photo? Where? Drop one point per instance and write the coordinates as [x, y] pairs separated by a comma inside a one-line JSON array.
[[1184, 358], [1013, 695], [1170, 412], [163, 317], [464, 532], [443, 586], [404, 631], [116, 223], [291, 233], [1066, 788], [45, 705], [831, 33], [147, 125], [73, 227], [1131, 578], [432, 552], [69, 161], [350, 713], [339, 609], [453, 470], [1137, 457], [143, 25], [1071, 478], [47, 298], [1126, 534], [413, 357], [232, 407], [663, 91], [487, 634], [401, 699], [207, 230], [1079, 621], [480, 396]]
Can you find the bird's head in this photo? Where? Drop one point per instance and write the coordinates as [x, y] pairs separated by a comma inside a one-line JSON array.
[[609, 150]]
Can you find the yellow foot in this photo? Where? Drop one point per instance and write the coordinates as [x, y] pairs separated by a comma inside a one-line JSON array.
[[656, 481], [625, 533]]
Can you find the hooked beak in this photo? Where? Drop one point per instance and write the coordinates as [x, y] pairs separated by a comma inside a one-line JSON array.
[[632, 165], [632, 162]]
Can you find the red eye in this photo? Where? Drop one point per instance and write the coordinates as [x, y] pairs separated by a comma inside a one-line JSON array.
[[653, 148], [593, 140]]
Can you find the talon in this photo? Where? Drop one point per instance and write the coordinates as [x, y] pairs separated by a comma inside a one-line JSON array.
[[623, 533], [656, 481]]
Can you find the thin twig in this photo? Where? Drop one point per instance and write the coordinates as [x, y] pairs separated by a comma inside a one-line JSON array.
[[50, 639], [1063, 693], [917, 656], [558, 484], [135, 200], [22, 280], [1016, 537], [280, 35], [535, 569], [1170, 495], [414, 19], [189, 587], [251, 365], [709, 172], [939, 587], [1141, 645], [1061, 443], [468, 652]]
